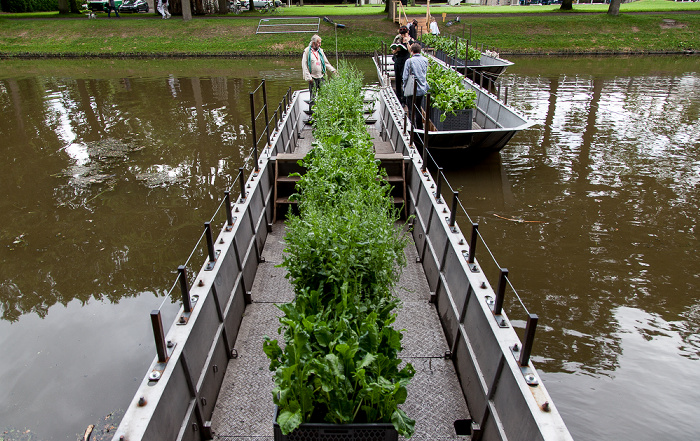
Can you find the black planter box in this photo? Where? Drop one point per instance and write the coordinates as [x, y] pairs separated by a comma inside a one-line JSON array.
[[338, 432], [440, 55], [461, 121]]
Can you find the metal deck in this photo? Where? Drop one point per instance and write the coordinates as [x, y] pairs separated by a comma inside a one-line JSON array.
[[244, 408]]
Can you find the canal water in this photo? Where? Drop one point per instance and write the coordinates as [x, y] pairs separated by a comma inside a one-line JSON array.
[[109, 168]]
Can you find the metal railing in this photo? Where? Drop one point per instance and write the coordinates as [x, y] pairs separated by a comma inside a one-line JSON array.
[[183, 279], [430, 165]]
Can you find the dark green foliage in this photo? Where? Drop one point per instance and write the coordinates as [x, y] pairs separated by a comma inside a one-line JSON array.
[[340, 360], [29, 5], [447, 90]]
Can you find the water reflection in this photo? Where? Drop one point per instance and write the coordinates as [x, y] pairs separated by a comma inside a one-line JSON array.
[[602, 219], [108, 173], [109, 168]]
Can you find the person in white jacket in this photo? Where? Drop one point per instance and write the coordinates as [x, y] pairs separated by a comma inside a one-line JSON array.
[[434, 27], [314, 65]]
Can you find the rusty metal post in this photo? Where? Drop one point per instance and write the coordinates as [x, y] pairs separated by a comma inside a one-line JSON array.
[[157, 323], [472, 243], [501, 293], [530, 328], [453, 213], [267, 119], [184, 288], [227, 203], [255, 134], [425, 132], [438, 185], [240, 179], [210, 241]]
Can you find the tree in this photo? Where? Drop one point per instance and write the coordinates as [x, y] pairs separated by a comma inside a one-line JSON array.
[[614, 8], [566, 5], [63, 6]]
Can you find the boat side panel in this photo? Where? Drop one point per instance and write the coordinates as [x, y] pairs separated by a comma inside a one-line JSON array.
[[186, 430], [168, 410], [213, 376]]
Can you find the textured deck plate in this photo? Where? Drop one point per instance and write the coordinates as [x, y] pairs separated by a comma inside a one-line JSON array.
[[244, 409]]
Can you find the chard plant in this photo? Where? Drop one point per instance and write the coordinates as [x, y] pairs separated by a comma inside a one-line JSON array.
[[447, 90], [339, 362], [448, 46]]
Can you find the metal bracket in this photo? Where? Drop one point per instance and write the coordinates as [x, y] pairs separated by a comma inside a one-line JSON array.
[[502, 323], [230, 227], [158, 369], [185, 316], [212, 263]]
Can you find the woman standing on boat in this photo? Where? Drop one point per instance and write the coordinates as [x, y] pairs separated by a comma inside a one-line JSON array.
[[400, 48]]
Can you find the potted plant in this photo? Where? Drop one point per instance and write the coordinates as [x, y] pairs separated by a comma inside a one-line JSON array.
[[451, 102]]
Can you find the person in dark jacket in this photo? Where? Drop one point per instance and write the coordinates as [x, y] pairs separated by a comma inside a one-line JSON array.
[[400, 48], [112, 7], [413, 29]]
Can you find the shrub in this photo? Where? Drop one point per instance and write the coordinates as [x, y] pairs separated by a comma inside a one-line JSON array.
[[29, 5]]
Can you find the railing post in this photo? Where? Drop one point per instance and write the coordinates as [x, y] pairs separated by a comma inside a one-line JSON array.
[[438, 186], [255, 134], [210, 241], [501, 293], [229, 215], [425, 133], [453, 213], [530, 328], [505, 101], [472, 243], [240, 179], [157, 324], [184, 288], [267, 119]]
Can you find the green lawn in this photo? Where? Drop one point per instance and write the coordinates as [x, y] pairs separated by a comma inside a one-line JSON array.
[[548, 33]]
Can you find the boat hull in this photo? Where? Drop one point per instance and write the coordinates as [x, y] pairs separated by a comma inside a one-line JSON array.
[[495, 123]]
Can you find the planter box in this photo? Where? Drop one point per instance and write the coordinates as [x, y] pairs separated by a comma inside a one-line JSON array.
[[338, 432], [440, 55], [461, 121], [459, 62]]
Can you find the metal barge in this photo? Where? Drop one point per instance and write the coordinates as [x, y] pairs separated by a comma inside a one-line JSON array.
[[210, 378], [494, 122]]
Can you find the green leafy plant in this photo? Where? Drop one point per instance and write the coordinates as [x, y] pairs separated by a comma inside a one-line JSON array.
[[447, 90], [343, 254], [455, 48]]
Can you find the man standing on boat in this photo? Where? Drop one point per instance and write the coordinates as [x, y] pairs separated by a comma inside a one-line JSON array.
[[314, 64], [417, 66]]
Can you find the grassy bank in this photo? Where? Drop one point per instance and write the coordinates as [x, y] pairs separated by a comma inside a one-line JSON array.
[[548, 33]]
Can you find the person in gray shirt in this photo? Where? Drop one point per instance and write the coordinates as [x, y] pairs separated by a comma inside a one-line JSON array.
[[417, 66]]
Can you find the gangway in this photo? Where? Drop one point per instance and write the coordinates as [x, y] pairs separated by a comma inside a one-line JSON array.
[[288, 25]]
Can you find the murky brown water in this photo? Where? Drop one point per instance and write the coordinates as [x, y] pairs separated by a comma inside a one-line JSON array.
[[110, 168]]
